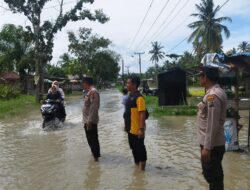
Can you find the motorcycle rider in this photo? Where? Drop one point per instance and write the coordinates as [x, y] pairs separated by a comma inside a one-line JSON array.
[[55, 95], [62, 108], [58, 88]]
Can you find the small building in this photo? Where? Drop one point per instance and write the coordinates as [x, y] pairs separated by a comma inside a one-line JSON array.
[[172, 88], [10, 78]]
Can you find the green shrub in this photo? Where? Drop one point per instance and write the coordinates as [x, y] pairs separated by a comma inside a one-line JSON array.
[[8, 91]]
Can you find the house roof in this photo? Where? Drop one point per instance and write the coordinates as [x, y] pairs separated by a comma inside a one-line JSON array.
[[239, 60], [11, 76]]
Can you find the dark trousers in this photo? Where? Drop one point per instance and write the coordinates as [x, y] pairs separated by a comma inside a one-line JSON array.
[[138, 148], [92, 138], [213, 171]]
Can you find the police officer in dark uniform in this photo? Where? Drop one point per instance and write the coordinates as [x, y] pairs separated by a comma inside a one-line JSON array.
[[210, 121]]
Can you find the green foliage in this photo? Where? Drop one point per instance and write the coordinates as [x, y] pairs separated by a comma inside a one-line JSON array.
[[43, 32], [105, 66], [16, 50], [196, 92], [8, 91], [156, 52], [207, 31], [16, 106], [46, 31], [83, 46], [55, 71], [185, 61], [155, 110], [91, 56], [244, 47]]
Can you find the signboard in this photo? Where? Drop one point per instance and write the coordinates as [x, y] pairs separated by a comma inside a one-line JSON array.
[[230, 132]]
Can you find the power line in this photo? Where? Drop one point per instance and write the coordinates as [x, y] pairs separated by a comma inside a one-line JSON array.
[[177, 44], [143, 21], [177, 27], [50, 7], [170, 22], [224, 4], [188, 35], [139, 54], [165, 24], [151, 27]]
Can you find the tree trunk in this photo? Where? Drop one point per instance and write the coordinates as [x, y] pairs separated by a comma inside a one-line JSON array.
[[40, 83], [39, 76]]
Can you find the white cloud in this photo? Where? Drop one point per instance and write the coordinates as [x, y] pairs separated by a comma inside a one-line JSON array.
[[125, 17]]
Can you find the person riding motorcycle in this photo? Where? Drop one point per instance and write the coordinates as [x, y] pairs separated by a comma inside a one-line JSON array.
[[55, 95], [58, 88]]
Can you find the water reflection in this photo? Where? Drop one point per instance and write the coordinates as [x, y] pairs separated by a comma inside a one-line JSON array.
[[35, 159], [93, 174], [138, 180]]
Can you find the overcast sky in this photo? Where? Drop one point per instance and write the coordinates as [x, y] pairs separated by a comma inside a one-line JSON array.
[[126, 16]]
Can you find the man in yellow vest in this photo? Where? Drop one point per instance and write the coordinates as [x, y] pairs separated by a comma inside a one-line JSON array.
[[135, 115]]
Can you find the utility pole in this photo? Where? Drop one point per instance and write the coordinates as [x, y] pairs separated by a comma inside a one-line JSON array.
[[122, 68], [128, 69], [139, 54], [123, 71]]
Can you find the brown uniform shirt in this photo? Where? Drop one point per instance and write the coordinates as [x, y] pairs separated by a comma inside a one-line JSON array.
[[91, 106], [211, 117]]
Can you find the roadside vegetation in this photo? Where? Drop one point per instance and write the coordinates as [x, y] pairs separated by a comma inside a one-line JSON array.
[[195, 95], [17, 106], [158, 111]]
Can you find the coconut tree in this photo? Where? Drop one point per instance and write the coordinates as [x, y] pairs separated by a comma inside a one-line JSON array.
[[157, 55], [208, 30], [156, 52], [244, 47]]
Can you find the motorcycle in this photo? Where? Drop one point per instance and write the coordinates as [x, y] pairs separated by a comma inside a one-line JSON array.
[[52, 114]]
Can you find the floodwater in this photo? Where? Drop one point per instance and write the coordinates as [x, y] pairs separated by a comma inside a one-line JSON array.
[[33, 159]]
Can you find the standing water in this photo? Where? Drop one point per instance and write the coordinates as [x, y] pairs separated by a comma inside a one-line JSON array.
[[33, 159]]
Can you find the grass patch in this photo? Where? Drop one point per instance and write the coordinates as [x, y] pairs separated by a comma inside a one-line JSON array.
[[74, 93], [17, 106], [119, 87], [196, 92], [155, 110]]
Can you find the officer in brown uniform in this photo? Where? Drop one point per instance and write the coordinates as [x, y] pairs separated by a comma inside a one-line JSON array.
[[90, 116], [210, 122]]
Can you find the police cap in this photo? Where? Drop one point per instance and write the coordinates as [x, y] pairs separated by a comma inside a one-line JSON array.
[[212, 73], [87, 79]]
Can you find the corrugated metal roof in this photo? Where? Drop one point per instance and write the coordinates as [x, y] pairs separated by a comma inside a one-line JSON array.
[[241, 54], [240, 60]]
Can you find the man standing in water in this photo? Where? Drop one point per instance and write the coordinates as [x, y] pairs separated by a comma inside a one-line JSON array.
[[90, 116], [210, 121], [135, 115]]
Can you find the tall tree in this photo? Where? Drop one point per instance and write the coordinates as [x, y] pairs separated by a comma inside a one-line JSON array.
[[231, 52], [83, 46], [157, 53], [187, 60], [208, 28], [244, 46], [105, 66], [43, 32], [16, 50]]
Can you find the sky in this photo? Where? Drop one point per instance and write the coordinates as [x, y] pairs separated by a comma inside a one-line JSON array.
[[166, 22]]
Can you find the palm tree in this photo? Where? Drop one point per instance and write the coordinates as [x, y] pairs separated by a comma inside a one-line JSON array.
[[208, 29], [156, 52], [231, 52], [244, 46]]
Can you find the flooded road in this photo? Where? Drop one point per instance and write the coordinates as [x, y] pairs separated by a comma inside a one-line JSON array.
[[33, 159]]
